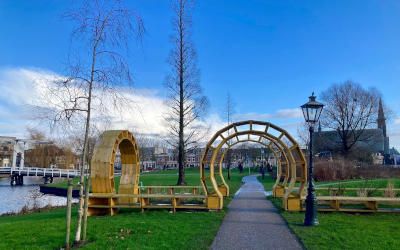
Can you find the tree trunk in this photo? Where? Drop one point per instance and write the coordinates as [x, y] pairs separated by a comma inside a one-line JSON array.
[[85, 153], [181, 146], [86, 204], [69, 205], [345, 147], [81, 182]]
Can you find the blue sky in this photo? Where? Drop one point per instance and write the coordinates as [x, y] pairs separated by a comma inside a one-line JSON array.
[[270, 55]]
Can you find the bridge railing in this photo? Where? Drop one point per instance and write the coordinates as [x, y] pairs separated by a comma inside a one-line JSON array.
[[34, 171]]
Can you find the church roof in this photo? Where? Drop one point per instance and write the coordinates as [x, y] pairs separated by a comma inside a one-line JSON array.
[[371, 140]]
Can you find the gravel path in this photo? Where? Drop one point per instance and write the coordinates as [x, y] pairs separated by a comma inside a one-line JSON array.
[[253, 222]]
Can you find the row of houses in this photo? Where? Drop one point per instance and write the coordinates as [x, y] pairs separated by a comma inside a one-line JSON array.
[[165, 158], [26, 153]]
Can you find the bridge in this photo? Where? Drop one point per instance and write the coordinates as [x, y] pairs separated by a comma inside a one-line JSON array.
[[17, 174]]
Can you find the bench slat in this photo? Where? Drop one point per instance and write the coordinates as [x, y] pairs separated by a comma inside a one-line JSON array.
[[361, 199]]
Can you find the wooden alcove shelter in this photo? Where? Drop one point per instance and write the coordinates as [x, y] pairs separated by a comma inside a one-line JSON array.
[[105, 198]]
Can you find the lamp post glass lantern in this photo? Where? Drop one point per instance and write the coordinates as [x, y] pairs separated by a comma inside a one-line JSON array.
[[311, 111]]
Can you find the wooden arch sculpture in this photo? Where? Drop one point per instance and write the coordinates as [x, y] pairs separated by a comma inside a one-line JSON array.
[[291, 163], [102, 171]]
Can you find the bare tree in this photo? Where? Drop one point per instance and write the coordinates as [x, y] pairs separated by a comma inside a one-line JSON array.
[[303, 134], [35, 134], [350, 110], [147, 144], [147, 140], [185, 100], [95, 77], [229, 111]]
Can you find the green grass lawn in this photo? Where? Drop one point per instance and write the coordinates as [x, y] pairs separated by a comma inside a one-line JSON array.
[[268, 182], [356, 183], [373, 184], [154, 229], [156, 178], [160, 229], [345, 231]]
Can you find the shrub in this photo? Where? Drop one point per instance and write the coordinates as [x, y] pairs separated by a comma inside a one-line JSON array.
[[366, 190], [24, 210], [336, 191], [342, 169], [334, 170], [362, 192], [389, 191]]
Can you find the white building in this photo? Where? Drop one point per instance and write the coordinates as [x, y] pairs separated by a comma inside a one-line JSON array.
[[12, 151]]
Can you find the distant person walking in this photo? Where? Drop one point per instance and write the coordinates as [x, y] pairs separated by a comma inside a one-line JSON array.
[[269, 168], [262, 171], [240, 167]]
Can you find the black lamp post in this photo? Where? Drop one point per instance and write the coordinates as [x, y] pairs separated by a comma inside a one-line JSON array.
[[311, 111]]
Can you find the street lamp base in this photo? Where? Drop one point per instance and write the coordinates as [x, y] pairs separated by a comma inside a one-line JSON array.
[[311, 222], [311, 218]]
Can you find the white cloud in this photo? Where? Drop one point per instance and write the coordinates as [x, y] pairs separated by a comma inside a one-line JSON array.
[[289, 113], [292, 113], [394, 134], [22, 88]]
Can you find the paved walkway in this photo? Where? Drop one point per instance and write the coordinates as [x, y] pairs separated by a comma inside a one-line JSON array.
[[253, 222]]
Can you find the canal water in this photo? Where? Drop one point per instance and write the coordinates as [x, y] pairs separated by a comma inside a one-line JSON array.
[[14, 198]]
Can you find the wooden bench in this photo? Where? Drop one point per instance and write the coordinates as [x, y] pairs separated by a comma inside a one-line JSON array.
[[150, 197], [370, 204], [175, 201], [172, 189], [353, 189]]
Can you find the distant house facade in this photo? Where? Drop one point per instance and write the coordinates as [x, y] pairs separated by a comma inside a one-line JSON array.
[[6, 151], [166, 158], [11, 152]]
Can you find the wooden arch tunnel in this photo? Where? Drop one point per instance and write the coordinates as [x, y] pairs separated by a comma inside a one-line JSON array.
[[292, 166], [105, 197], [102, 172]]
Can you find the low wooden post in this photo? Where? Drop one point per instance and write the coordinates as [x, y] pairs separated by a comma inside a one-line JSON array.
[[69, 205]]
